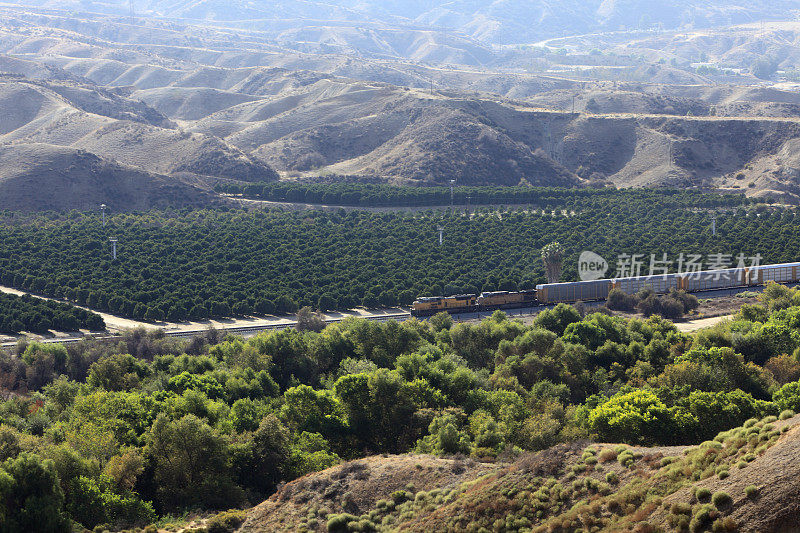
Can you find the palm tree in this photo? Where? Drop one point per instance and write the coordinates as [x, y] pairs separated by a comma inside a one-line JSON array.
[[553, 257]]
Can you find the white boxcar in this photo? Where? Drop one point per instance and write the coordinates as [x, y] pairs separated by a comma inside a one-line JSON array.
[[660, 284], [781, 273], [572, 292], [714, 279]]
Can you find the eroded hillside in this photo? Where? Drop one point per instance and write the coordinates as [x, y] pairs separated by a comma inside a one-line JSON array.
[[743, 480]]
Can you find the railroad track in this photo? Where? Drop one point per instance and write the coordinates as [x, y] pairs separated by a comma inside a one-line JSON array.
[[248, 331], [245, 331]]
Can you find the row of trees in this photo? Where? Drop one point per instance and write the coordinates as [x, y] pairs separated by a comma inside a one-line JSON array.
[[26, 313], [197, 264], [375, 195], [101, 433]]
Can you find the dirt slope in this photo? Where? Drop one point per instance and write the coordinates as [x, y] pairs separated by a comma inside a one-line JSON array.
[[604, 487], [37, 177], [356, 487]]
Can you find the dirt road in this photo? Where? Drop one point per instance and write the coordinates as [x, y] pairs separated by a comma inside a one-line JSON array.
[[115, 324], [700, 323]]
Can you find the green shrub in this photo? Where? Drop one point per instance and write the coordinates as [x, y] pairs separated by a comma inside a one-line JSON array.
[[702, 518], [721, 499], [681, 508], [612, 478], [751, 491], [702, 494], [786, 414], [338, 523], [626, 458], [400, 496], [607, 455], [226, 521], [724, 524]]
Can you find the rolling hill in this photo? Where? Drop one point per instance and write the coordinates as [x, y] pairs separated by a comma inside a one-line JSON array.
[[605, 487], [214, 102], [499, 21], [70, 145], [37, 177]]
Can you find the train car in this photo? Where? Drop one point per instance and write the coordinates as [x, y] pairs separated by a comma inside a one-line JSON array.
[[431, 305], [505, 299], [586, 291], [781, 273], [714, 279], [661, 284]]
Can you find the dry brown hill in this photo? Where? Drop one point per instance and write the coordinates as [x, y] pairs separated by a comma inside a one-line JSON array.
[[751, 472], [176, 99], [37, 177]]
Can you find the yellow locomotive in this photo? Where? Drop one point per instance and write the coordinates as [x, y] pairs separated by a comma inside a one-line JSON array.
[[436, 304], [465, 303]]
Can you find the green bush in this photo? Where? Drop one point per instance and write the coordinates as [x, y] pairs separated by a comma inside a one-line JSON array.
[[724, 524], [607, 455], [721, 499], [786, 414], [788, 397], [626, 458], [681, 508], [226, 521], [703, 517], [702, 494], [751, 491], [338, 523], [30, 495]]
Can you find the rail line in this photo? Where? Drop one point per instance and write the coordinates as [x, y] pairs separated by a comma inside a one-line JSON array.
[[248, 331], [240, 330]]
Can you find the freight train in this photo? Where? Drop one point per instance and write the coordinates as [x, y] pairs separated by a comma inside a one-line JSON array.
[[586, 291]]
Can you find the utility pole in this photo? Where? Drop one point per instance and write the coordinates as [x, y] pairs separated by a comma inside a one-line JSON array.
[[441, 231], [132, 12], [469, 198], [103, 211], [714, 225], [113, 242], [452, 185]]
